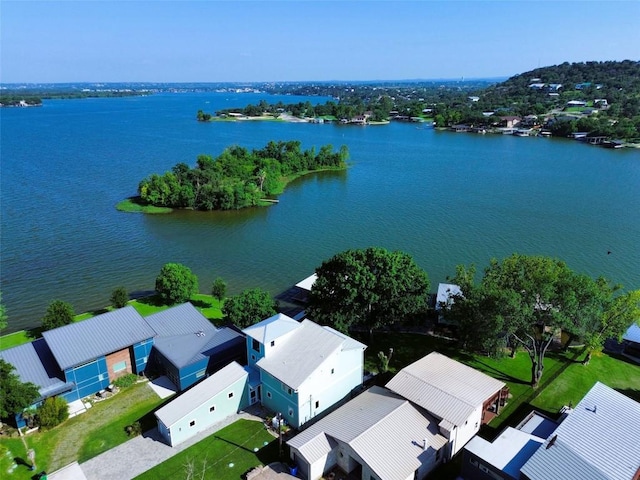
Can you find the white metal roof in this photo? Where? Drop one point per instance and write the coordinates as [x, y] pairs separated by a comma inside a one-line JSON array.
[[302, 354], [272, 328], [444, 387], [386, 431], [308, 282], [600, 439], [508, 452], [446, 291], [201, 393]]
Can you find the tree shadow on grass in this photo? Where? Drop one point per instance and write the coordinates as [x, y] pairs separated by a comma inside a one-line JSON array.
[[147, 297], [34, 333], [499, 374], [632, 393], [201, 303], [270, 453]]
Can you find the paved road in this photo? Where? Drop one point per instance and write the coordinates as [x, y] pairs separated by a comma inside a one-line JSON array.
[[139, 454]]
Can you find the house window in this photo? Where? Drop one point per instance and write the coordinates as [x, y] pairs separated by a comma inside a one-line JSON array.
[[192, 423], [230, 395], [200, 374], [268, 394], [290, 412], [212, 408], [332, 371], [273, 343], [317, 403], [120, 366], [255, 345], [253, 357]]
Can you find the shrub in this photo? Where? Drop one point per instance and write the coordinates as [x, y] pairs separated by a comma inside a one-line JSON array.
[[52, 412], [134, 429], [126, 380], [119, 297]]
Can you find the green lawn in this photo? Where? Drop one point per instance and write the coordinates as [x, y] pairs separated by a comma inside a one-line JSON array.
[[227, 454], [85, 436], [208, 306]]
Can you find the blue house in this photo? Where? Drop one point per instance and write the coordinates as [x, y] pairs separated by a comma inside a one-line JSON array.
[[301, 369], [188, 347]]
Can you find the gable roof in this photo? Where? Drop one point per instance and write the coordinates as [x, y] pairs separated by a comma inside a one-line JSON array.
[[444, 387], [385, 430], [632, 334], [34, 363], [185, 336], [89, 339], [598, 440], [272, 328], [309, 346], [200, 394], [308, 282]]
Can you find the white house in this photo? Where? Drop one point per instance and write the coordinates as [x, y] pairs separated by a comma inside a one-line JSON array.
[[376, 436], [459, 397], [212, 400], [302, 368]]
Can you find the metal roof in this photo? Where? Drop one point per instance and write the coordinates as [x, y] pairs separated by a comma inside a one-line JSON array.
[[84, 341], [301, 354], [446, 291], [185, 336], [600, 439], [272, 328], [508, 452], [632, 334], [34, 363], [444, 387], [386, 431], [200, 394], [308, 282]]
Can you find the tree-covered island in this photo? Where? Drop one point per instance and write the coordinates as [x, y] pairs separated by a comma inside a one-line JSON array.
[[237, 178]]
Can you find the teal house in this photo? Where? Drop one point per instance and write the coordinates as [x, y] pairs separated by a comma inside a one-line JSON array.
[[301, 369], [209, 402]]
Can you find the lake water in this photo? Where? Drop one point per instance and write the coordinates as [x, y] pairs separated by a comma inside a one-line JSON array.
[[444, 198]]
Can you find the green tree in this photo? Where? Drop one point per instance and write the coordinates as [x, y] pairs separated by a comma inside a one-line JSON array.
[[176, 283], [119, 297], [529, 299], [58, 314], [3, 315], [52, 412], [370, 287], [620, 313], [249, 307], [15, 396], [219, 289]]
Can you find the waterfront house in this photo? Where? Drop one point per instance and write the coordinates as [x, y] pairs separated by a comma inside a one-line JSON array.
[[187, 346], [598, 439], [631, 341], [509, 121], [205, 404], [460, 398], [377, 435], [300, 369], [503, 458]]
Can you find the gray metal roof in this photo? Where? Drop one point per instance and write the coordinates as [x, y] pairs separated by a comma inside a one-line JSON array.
[[599, 440], [302, 352], [632, 334], [386, 431], [185, 336], [444, 387], [200, 394], [34, 363], [84, 341], [272, 328]]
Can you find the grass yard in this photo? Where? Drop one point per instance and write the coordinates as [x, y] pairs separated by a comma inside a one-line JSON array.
[[226, 455], [85, 436]]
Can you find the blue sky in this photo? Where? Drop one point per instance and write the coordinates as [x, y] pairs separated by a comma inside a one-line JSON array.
[[242, 41]]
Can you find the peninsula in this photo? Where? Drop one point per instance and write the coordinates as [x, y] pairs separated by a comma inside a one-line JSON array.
[[237, 178]]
